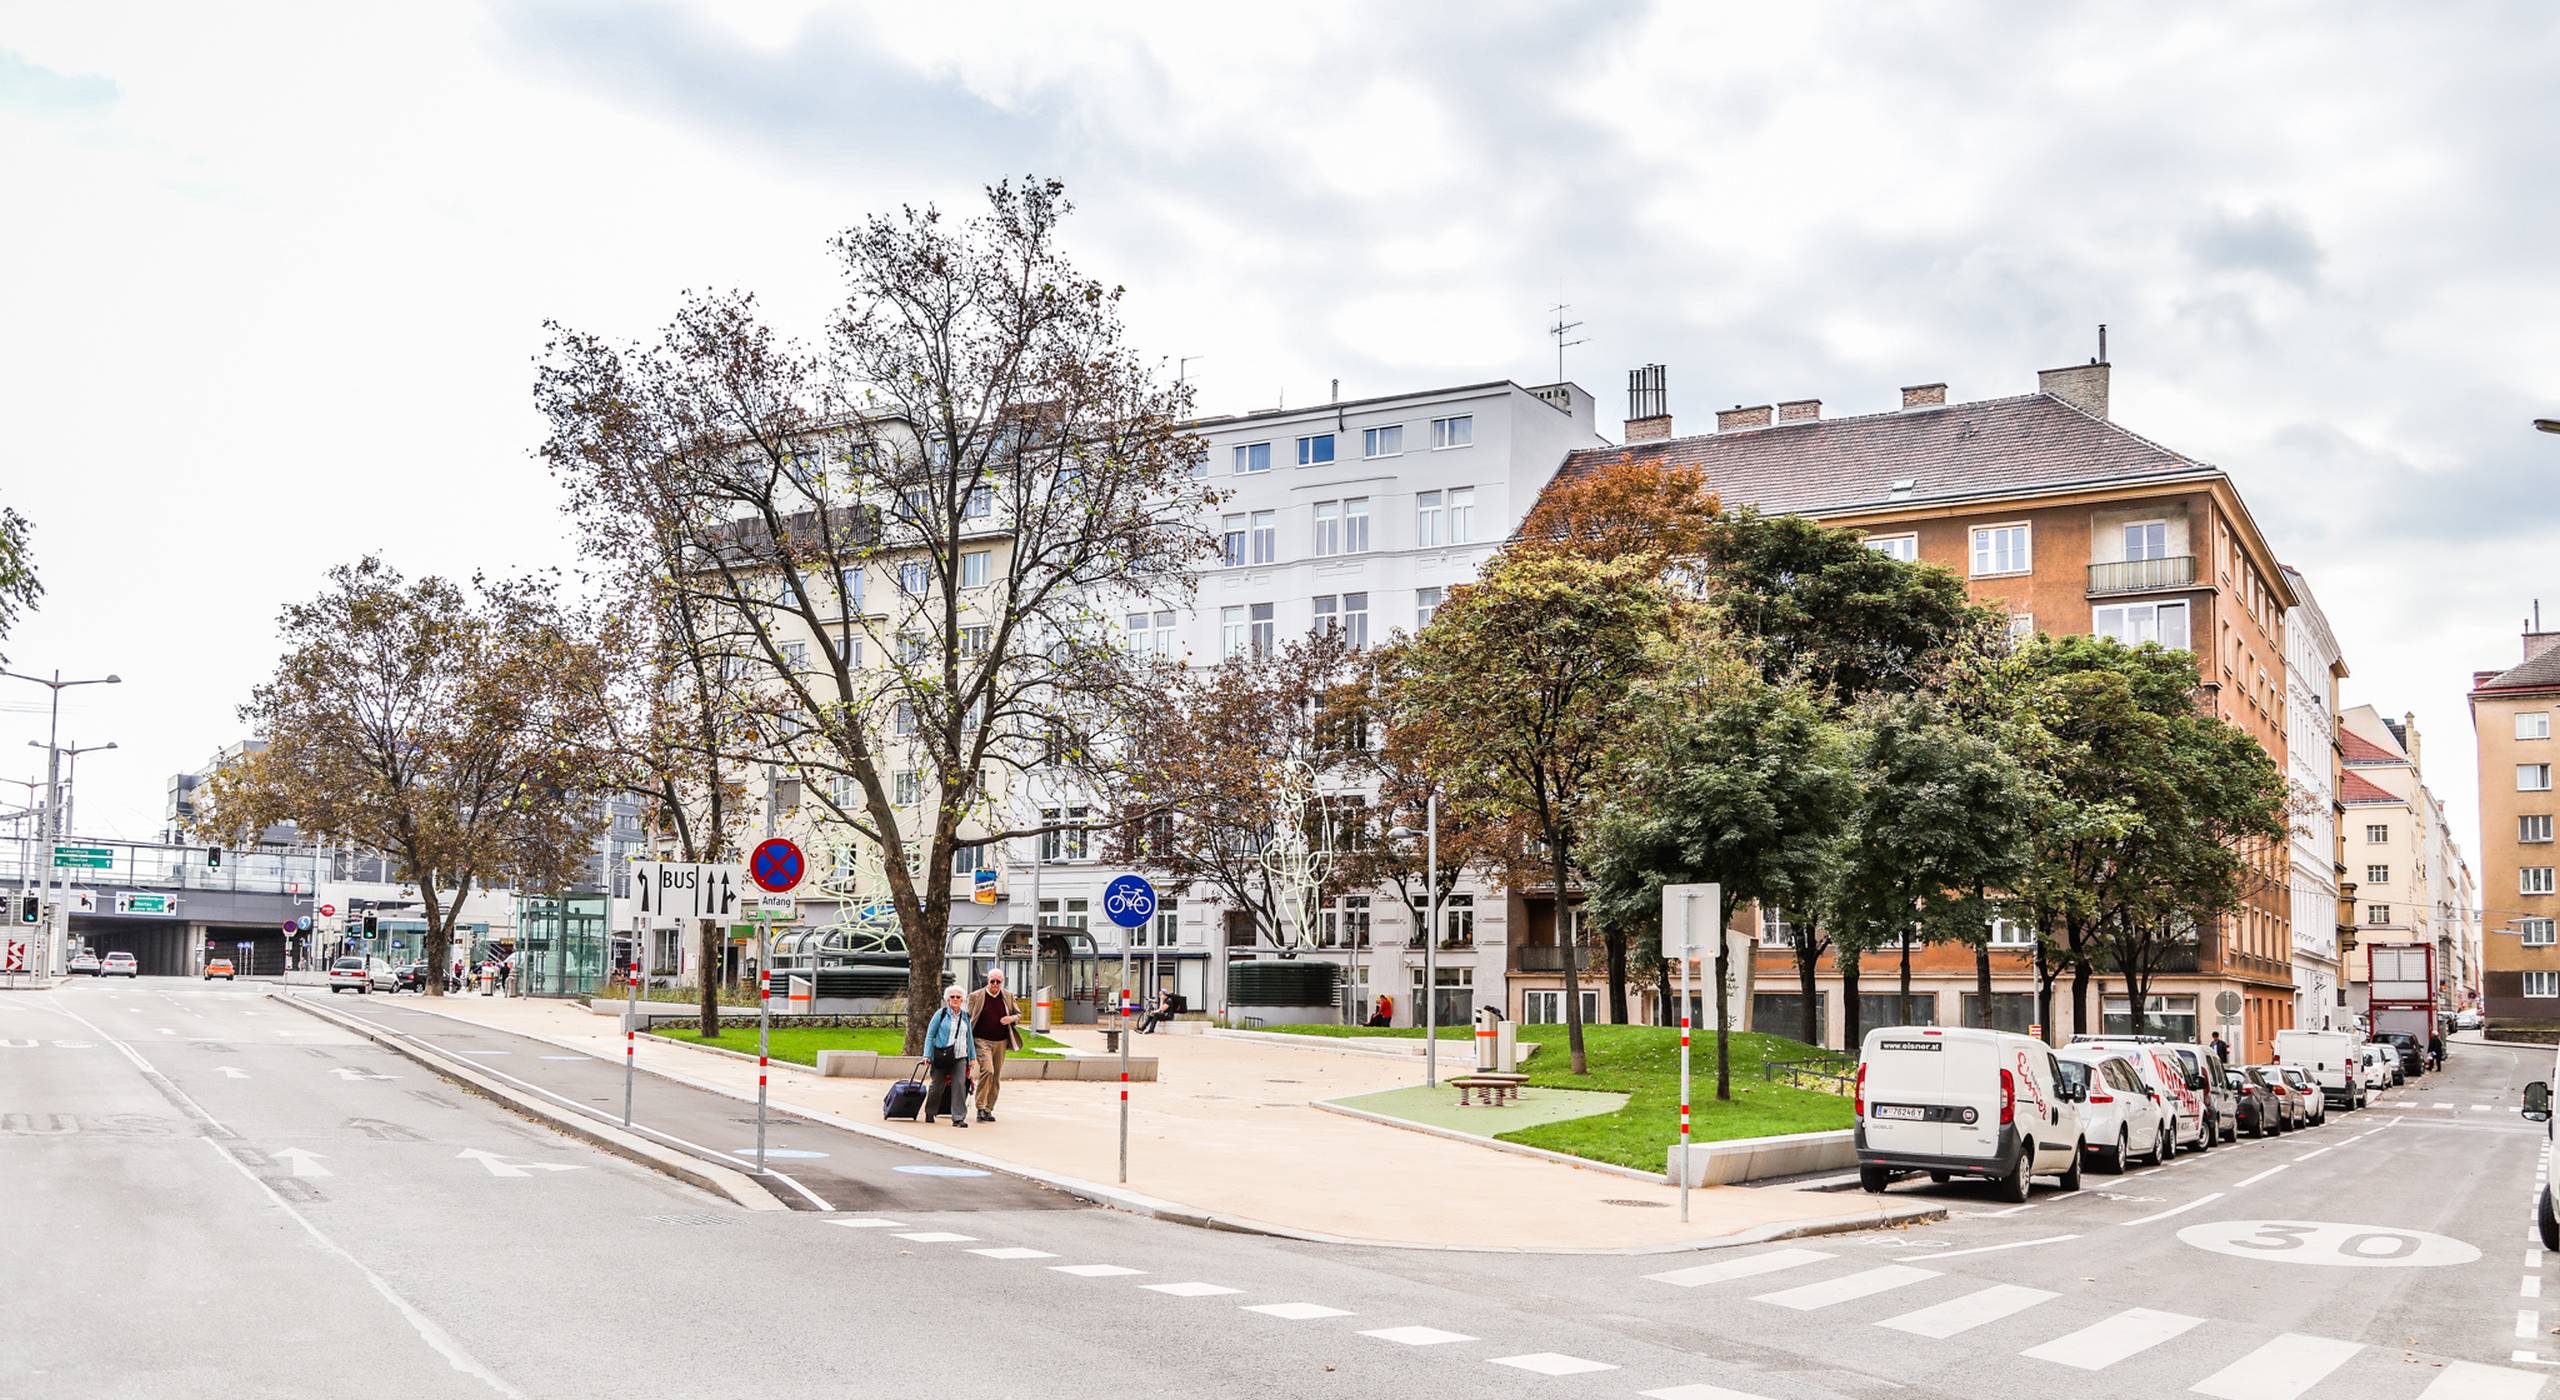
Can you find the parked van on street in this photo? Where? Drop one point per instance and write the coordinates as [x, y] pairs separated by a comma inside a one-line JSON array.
[[2331, 1058], [1960, 1101], [2182, 1086]]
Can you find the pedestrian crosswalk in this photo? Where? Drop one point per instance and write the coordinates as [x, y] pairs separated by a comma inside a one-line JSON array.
[[2286, 1367]]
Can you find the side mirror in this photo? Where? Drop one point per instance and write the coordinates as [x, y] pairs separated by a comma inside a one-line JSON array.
[[2195, 1081], [2537, 1102]]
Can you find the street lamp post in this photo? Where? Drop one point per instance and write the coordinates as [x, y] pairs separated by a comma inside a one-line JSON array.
[[53, 767]]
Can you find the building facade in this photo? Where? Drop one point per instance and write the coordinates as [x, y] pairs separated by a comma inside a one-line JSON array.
[[2313, 668], [2411, 881], [2511, 723], [2048, 508]]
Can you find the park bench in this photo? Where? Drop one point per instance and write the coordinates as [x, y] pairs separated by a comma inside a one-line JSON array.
[[1490, 1090]]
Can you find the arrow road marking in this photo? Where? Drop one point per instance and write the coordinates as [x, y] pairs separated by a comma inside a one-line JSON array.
[[303, 1162], [228, 1072], [500, 1166], [381, 1131]]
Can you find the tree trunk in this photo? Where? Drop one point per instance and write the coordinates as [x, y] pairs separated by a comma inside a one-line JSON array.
[[1808, 970], [1724, 1010], [1572, 955], [709, 972], [2080, 1024], [2044, 974], [439, 935], [1902, 994], [1617, 946], [1982, 981], [1851, 1033], [1662, 979]]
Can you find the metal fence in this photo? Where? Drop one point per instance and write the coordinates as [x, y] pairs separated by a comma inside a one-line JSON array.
[[156, 865], [1829, 1075]]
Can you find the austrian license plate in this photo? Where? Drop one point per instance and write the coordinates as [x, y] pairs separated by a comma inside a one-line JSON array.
[[1910, 1112]]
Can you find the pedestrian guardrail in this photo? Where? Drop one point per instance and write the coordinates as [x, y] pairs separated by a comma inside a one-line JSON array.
[[1831, 1075]]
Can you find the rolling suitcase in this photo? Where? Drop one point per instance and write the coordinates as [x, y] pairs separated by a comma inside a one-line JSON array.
[[905, 1098]]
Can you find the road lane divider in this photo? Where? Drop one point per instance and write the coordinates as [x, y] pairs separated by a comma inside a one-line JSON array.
[[1993, 1248], [2252, 1181], [2175, 1210]]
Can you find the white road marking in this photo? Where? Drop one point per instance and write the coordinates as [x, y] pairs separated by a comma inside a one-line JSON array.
[[874, 1223], [229, 1072], [2532, 1286], [1095, 1270], [1190, 1290], [2307, 1156], [304, 1162], [2252, 1181], [2441, 1105], [500, 1166], [1553, 1363], [2484, 1108], [2103, 1344], [2280, 1370], [349, 1072], [1749, 1266], [1995, 1248], [1847, 1288], [2174, 1210], [939, 1237], [2013, 1210], [2533, 1257], [1970, 1311], [2528, 1324], [1699, 1392], [1417, 1336], [2469, 1380], [1013, 1252], [1297, 1312]]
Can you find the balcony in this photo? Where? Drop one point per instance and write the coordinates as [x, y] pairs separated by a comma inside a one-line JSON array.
[[2142, 575], [1548, 957]]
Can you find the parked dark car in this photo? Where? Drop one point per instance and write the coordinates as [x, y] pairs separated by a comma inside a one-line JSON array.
[[409, 977], [2259, 1112], [2413, 1055], [2291, 1111]]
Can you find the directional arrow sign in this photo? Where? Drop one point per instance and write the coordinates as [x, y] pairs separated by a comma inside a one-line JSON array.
[[304, 1163], [228, 1072], [500, 1166]]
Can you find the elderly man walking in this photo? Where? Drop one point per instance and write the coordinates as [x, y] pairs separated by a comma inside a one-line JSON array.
[[992, 1016]]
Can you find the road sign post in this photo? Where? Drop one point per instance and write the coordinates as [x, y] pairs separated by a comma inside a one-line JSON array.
[[631, 1017], [1130, 903], [1679, 904], [764, 1029]]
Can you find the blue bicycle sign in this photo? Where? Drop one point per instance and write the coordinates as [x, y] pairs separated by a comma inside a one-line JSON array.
[[1129, 901]]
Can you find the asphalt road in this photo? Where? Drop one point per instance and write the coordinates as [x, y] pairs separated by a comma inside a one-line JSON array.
[[211, 1195]]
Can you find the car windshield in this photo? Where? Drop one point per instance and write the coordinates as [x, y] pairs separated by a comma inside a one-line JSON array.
[[350, 965]]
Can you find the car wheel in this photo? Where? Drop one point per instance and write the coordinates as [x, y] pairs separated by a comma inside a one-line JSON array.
[[2013, 1187], [1942, 1178], [2549, 1224], [2071, 1174], [2212, 1130], [1872, 1180], [2112, 1161]]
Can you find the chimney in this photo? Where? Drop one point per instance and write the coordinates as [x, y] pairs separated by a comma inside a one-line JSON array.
[[1924, 395], [2409, 735], [1800, 410], [2084, 387], [1648, 405], [1730, 419]]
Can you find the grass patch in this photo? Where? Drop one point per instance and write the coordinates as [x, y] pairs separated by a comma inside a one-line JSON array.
[[1643, 1062], [800, 1044]]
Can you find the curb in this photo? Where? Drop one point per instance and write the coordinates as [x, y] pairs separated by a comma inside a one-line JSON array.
[[1121, 1199], [737, 1187], [1497, 1144]]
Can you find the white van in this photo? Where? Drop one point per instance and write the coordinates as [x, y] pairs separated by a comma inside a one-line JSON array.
[[2537, 1109], [2186, 1095], [1959, 1101], [2332, 1060]]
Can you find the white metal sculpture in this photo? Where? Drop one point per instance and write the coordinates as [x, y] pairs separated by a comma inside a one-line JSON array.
[[853, 874], [1299, 857]]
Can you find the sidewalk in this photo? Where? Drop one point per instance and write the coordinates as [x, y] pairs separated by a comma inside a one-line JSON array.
[[1229, 1133]]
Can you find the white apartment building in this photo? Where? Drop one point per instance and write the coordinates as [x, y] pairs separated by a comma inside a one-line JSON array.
[[2412, 883], [1359, 514], [2313, 668]]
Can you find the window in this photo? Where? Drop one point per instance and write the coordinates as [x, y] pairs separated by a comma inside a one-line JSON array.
[[2533, 724], [1066, 913], [1168, 926], [1266, 536], [1259, 617], [2009, 933], [2534, 879], [795, 655], [913, 578], [2538, 933], [1903, 547], [910, 787], [2542, 984], [1315, 450], [975, 638], [2022, 627], [1776, 930], [2533, 830], [979, 503], [905, 722], [1328, 536], [851, 582], [2146, 539], [2013, 1012], [1232, 540], [1426, 603], [2001, 549], [1348, 612], [1426, 519], [2377, 913], [1457, 431], [1457, 921], [1547, 1008], [1382, 442], [2377, 874], [1231, 633], [973, 567], [1462, 514], [2533, 777], [1074, 843], [2136, 623], [1151, 633], [968, 860], [1253, 457], [1888, 1009], [1346, 922], [1355, 525], [2376, 835]]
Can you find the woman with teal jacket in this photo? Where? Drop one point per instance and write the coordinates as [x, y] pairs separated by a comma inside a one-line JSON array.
[[948, 1049]]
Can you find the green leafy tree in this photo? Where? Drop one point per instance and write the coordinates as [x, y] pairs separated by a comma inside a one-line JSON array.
[[1816, 604], [1518, 695], [19, 588]]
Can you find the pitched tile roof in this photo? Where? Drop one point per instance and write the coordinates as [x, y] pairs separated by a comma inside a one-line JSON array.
[[2363, 750], [2356, 787], [2540, 673], [1993, 447]]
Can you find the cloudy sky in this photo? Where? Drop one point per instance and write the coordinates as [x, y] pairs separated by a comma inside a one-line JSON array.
[[273, 276]]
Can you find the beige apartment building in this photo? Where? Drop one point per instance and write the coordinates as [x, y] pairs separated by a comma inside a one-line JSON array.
[[2511, 714], [2409, 877]]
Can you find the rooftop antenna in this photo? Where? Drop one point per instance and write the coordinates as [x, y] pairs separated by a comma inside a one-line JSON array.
[[1182, 367], [1559, 330]]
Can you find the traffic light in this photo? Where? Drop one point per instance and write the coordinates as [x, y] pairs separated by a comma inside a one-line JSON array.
[[213, 857], [372, 925], [30, 908]]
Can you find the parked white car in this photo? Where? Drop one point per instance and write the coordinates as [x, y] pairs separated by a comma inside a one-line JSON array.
[[2469, 1019], [1961, 1101], [2381, 1067], [2182, 1091], [2537, 1109], [2121, 1115]]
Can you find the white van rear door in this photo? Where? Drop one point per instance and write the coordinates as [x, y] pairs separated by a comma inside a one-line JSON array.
[[1905, 1080]]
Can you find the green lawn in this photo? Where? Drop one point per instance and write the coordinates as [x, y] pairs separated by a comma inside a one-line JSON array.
[[800, 1044], [1643, 1062]]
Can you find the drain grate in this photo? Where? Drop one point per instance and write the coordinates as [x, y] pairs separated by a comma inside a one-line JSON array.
[[1643, 1205]]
